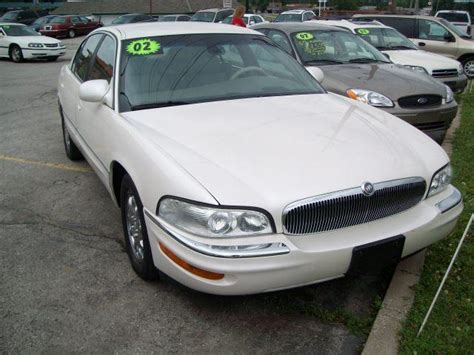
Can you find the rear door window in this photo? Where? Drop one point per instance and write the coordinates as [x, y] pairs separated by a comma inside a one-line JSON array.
[[454, 17], [406, 26]]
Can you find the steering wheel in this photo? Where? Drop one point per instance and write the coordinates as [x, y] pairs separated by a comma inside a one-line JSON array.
[[247, 70]]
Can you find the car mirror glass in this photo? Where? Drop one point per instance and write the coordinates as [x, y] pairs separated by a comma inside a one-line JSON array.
[[93, 90]]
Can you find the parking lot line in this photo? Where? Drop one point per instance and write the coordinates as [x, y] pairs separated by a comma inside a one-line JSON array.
[[47, 164]]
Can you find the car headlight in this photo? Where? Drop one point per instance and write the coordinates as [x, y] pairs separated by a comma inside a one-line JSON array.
[[449, 95], [460, 69], [207, 221], [35, 45], [369, 97], [416, 68], [441, 180]]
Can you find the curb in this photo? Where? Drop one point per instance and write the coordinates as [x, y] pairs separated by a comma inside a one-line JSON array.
[[383, 337]]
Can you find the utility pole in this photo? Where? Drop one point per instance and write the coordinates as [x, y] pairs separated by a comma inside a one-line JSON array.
[[151, 7], [247, 5]]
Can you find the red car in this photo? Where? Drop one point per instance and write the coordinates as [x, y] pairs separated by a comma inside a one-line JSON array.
[[69, 26]]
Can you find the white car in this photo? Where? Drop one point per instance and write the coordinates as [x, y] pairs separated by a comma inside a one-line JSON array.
[[402, 51], [231, 188], [460, 19], [19, 42], [295, 16]]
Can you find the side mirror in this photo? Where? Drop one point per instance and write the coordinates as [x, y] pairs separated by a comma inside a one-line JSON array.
[[93, 90], [448, 37], [252, 22], [316, 73], [386, 55]]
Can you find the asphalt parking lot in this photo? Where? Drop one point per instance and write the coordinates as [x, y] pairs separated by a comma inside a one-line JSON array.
[[66, 284]]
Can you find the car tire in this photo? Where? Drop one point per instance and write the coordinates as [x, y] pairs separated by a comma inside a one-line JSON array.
[[71, 33], [52, 59], [72, 152], [468, 66], [16, 54], [135, 232]]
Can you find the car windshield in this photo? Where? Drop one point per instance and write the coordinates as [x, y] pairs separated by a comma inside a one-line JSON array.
[[288, 18], [385, 38], [334, 47], [167, 19], [123, 19], [454, 29], [12, 15], [43, 20], [185, 69], [203, 16], [15, 30], [58, 20], [454, 17]]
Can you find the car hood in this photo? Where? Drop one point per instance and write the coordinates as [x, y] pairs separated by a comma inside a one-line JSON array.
[[35, 39], [390, 80], [268, 152], [430, 61]]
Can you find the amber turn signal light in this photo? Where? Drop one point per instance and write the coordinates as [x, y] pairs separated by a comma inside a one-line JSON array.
[[192, 269]]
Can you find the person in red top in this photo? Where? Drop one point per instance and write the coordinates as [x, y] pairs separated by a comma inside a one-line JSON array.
[[238, 18]]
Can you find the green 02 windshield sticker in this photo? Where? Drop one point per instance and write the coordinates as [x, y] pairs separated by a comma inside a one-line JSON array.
[[144, 46], [304, 36], [363, 31]]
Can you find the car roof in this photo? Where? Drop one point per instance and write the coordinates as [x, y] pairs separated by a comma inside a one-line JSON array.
[[11, 24], [146, 29], [296, 11], [214, 9], [290, 27], [349, 24], [404, 16], [453, 11]]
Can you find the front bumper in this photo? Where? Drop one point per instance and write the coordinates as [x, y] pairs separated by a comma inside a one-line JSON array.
[[434, 121], [457, 84], [31, 53], [310, 258]]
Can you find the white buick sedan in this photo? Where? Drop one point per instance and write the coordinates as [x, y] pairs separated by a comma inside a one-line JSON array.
[[231, 188]]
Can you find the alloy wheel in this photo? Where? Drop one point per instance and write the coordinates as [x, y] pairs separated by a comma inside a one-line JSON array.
[[469, 68], [134, 229]]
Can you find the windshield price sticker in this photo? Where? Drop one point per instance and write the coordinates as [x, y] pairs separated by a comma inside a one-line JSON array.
[[363, 31], [304, 36], [144, 46], [314, 47]]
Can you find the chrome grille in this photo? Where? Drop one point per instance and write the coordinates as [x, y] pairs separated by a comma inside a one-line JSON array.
[[351, 207], [420, 101], [443, 73], [52, 45]]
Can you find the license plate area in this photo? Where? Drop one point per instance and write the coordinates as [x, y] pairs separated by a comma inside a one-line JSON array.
[[375, 256]]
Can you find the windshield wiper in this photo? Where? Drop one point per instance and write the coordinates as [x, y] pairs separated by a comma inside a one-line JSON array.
[[323, 61], [159, 104], [363, 60], [400, 47]]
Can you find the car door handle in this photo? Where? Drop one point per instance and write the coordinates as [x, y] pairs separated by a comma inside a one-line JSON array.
[[421, 44]]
